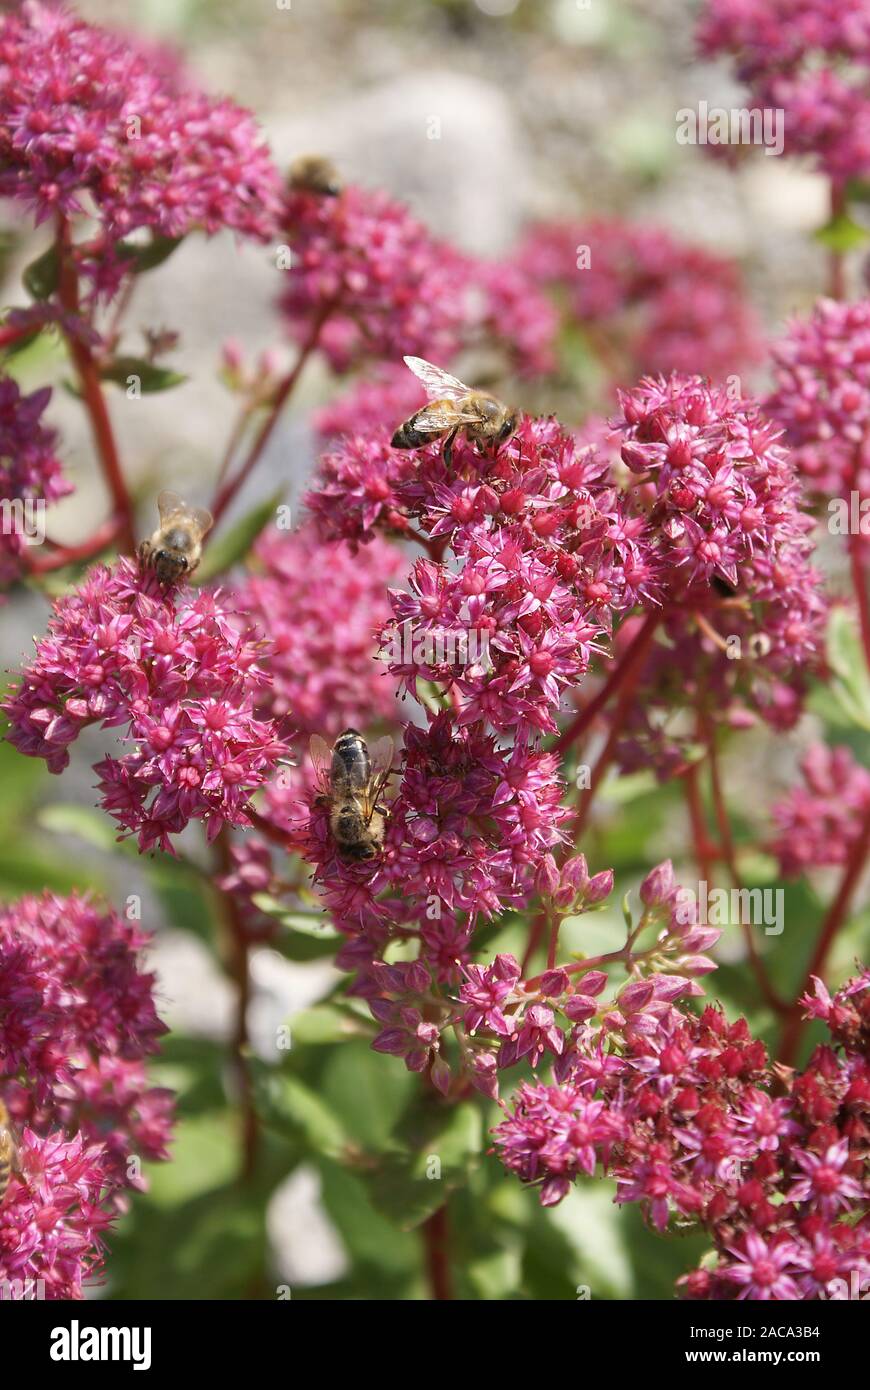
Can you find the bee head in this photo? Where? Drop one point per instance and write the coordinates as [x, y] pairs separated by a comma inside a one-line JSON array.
[[507, 429]]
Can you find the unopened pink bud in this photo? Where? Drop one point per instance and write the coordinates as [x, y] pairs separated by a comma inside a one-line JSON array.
[[440, 1074], [593, 982], [554, 982], [658, 884], [547, 877], [636, 996], [600, 887]]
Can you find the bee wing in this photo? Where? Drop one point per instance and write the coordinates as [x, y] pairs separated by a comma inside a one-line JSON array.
[[169, 504], [432, 419], [203, 519], [381, 760], [321, 757], [438, 383]]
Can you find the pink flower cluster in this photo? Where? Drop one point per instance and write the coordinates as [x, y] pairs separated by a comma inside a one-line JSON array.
[[177, 676], [700, 520], [30, 472], [742, 603], [77, 1021], [821, 396], [647, 301], [810, 58], [376, 276], [92, 122], [681, 1111], [383, 286], [821, 821], [532, 554], [320, 608]]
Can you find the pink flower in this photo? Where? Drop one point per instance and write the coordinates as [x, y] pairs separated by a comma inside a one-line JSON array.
[[53, 1218], [819, 822], [388, 287], [809, 58], [171, 671], [319, 608], [30, 473], [484, 990], [91, 121], [822, 397], [77, 1022], [661, 304], [762, 1269], [824, 1183]]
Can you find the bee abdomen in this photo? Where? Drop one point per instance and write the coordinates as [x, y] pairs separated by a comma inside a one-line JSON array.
[[407, 436], [351, 756]]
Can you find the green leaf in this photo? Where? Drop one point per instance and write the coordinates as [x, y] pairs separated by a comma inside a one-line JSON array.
[[368, 1090], [292, 1110], [851, 686], [442, 1145], [232, 548], [326, 1023], [148, 256], [27, 867], [151, 377], [187, 898], [42, 276], [304, 936], [370, 1238], [842, 234], [20, 778], [66, 818], [193, 1068]]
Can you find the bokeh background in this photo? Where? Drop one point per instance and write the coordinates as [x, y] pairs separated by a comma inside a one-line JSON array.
[[547, 108]]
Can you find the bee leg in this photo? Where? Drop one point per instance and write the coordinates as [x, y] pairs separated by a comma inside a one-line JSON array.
[[447, 451]]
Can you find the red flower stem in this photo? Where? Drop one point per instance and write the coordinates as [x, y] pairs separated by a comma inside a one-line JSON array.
[[859, 583], [836, 259], [631, 676], [534, 940], [554, 941], [61, 555], [235, 439], [238, 968], [729, 855], [231, 486], [834, 918], [436, 1243], [636, 648], [13, 333], [270, 830], [704, 851], [92, 394]]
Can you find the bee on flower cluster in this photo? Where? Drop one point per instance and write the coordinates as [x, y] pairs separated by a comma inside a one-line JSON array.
[[175, 548], [313, 173], [351, 782], [453, 409]]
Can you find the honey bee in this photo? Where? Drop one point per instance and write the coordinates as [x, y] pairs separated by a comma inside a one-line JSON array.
[[312, 173], [176, 546], [453, 408], [352, 780], [8, 1150]]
